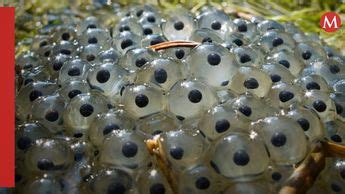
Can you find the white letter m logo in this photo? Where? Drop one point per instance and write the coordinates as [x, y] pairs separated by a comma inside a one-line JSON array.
[[332, 24]]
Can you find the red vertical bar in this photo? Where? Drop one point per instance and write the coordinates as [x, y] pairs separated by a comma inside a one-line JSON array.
[[7, 96]]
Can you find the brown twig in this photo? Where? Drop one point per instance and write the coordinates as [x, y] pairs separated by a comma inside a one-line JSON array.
[[170, 44], [154, 148], [306, 173], [243, 15], [333, 149]]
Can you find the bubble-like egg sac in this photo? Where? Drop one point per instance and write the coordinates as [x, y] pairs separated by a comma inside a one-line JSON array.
[[126, 99]]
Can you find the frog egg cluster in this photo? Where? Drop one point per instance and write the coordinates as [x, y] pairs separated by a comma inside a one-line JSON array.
[[232, 115]]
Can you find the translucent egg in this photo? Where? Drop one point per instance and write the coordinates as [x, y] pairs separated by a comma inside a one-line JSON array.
[[252, 107], [284, 139], [152, 39], [48, 111], [90, 53], [274, 41], [83, 152], [331, 70], [189, 99], [183, 149], [27, 61], [282, 95], [278, 73], [106, 181], [199, 179], [339, 102], [87, 23], [248, 56], [74, 69], [72, 88], [108, 78], [244, 27], [96, 36], [267, 25], [179, 25], [150, 17], [310, 52], [49, 155], [239, 156], [34, 75], [128, 24], [161, 72], [107, 122], [235, 39], [335, 131], [178, 53], [110, 55], [277, 175], [142, 100], [39, 42], [27, 134], [126, 41], [125, 149], [43, 184], [137, 11], [321, 103], [213, 64], [56, 64], [153, 181], [313, 82], [65, 48], [28, 94], [65, 33], [309, 121], [221, 120], [288, 60], [215, 20], [254, 80], [158, 123], [225, 96], [331, 51], [45, 52], [205, 35], [149, 29], [136, 58], [81, 111], [74, 177]]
